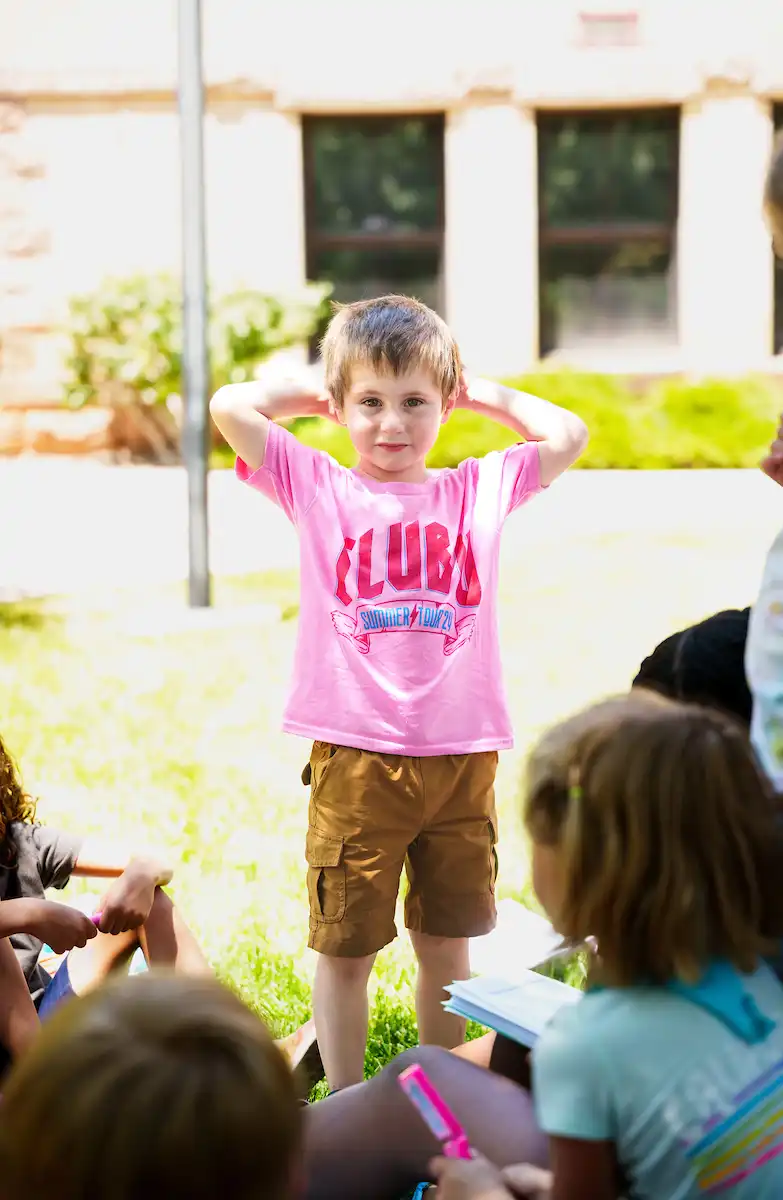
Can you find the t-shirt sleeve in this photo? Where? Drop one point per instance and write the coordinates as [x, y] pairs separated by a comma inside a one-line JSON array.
[[570, 1084], [291, 474], [57, 854], [515, 474]]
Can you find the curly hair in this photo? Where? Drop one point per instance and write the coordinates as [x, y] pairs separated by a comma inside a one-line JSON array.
[[15, 804], [668, 838]]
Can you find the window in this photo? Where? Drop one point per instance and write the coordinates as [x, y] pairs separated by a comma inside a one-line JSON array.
[[374, 205], [777, 114], [607, 230]]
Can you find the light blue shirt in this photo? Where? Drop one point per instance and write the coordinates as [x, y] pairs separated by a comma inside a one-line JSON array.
[[693, 1102]]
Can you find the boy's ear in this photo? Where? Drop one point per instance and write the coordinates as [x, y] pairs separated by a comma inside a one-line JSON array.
[[335, 409], [449, 405]]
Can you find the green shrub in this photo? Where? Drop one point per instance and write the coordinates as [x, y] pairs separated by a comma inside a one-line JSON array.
[[675, 423], [128, 335]]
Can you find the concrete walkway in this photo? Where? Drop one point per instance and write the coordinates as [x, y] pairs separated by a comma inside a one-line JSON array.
[[72, 525]]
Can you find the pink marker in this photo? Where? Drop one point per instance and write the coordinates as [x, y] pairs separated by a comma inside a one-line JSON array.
[[96, 919], [434, 1111]]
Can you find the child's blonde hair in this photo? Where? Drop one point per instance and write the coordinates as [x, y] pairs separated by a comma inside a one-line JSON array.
[[153, 1086], [773, 195], [392, 334], [668, 832]]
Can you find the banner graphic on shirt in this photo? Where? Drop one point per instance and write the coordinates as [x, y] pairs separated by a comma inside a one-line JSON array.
[[419, 616]]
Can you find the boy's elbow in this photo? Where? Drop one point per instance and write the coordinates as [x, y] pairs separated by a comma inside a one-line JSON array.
[[222, 402], [578, 435]]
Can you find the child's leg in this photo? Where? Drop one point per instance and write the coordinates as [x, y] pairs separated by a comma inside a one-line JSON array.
[[167, 941], [451, 868], [341, 1016], [441, 961], [370, 1141], [19, 1023], [164, 938], [364, 812]]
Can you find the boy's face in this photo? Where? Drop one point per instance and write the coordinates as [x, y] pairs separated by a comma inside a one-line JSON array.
[[393, 422]]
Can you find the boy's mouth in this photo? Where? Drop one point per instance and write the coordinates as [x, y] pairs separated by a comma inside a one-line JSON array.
[[393, 446]]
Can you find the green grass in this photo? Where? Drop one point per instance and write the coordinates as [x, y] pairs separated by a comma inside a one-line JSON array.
[[127, 721]]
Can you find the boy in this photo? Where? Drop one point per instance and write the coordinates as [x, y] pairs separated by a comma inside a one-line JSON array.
[[397, 671]]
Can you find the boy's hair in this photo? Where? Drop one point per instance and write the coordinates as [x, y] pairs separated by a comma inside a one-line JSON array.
[[672, 852], [773, 195], [392, 334], [15, 804], [153, 1086], [704, 664]]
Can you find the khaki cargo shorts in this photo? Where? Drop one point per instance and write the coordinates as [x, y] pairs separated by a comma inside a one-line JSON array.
[[370, 815]]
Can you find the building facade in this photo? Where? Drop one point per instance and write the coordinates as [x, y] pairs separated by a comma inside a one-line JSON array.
[[563, 181]]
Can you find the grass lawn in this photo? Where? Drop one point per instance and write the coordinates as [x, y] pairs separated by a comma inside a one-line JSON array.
[[130, 722]]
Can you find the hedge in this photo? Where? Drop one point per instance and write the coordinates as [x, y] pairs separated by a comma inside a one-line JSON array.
[[670, 423]]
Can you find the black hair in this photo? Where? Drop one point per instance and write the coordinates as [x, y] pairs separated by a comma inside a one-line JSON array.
[[704, 664]]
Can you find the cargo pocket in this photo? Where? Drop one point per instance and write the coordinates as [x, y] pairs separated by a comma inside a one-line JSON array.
[[493, 852], [325, 877]]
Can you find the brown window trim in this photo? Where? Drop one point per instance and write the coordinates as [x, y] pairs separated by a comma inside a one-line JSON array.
[[603, 235]]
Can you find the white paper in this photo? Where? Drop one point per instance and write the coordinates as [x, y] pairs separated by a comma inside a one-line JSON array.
[[522, 1009], [521, 940]]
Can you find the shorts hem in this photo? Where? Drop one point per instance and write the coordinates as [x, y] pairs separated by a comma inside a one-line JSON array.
[[476, 925], [326, 939]]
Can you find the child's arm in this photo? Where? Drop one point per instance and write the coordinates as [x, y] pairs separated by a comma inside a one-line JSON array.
[[560, 434], [61, 926], [242, 411], [128, 901], [579, 1171]]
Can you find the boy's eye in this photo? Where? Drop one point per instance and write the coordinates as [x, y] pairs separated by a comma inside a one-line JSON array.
[[371, 401], [414, 401]]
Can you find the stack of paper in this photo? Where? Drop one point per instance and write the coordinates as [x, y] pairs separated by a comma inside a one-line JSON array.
[[518, 1010]]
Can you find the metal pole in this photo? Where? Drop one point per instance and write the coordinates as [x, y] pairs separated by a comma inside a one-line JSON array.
[[195, 360]]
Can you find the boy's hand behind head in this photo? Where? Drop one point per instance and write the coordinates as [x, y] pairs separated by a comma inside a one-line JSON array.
[[772, 464], [60, 926]]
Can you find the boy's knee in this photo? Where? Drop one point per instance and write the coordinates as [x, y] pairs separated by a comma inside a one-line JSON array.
[[346, 970]]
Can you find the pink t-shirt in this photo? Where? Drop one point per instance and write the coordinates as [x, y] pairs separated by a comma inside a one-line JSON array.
[[397, 648]]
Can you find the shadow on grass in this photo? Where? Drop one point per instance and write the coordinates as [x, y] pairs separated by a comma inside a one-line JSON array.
[[27, 614]]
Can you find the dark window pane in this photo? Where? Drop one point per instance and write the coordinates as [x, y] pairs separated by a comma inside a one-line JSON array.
[[596, 296], [596, 169], [361, 274], [375, 175]]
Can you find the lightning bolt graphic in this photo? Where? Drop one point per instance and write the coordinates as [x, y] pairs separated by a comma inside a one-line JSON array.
[[413, 616]]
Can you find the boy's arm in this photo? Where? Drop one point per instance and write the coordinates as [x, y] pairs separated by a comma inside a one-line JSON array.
[[560, 434], [242, 411]]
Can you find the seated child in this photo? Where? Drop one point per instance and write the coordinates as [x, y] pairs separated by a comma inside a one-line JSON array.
[[134, 911], [654, 829], [153, 1086]]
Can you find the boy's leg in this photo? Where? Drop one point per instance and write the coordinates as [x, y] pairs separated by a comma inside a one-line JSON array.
[[452, 867], [341, 1014], [441, 961], [363, 815]]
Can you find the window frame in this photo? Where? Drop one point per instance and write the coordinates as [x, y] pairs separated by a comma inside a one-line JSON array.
[[777, 263], [602, 233], [316, 240]]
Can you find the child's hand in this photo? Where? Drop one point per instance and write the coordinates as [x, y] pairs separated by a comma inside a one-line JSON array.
[[462, 399], [60, 926], [772, 465], [128, 902], [474, 1179], [527, 1182]]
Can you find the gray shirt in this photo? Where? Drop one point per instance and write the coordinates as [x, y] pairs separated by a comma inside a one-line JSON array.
[[37, 858]]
